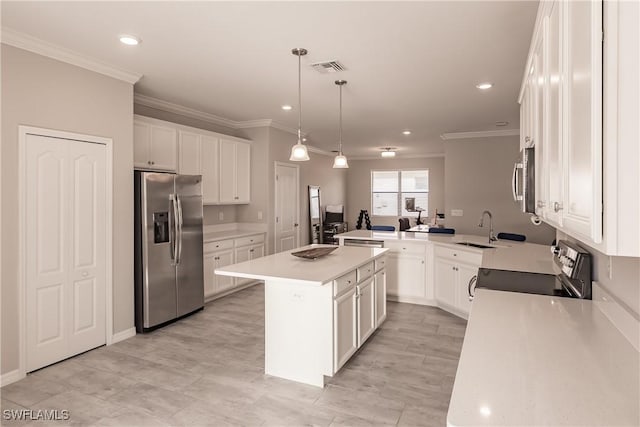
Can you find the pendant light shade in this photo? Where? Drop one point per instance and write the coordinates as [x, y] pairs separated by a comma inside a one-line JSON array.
[[340, 161], [299, 152]]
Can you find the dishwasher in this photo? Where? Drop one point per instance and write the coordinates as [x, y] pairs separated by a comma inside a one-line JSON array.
[[364, 243]]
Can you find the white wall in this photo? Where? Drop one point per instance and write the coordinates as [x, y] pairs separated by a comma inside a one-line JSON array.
[[359, 186], [43, 92], [478, 177]]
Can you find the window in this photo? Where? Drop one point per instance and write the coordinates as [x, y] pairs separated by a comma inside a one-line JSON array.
[[390, 189]]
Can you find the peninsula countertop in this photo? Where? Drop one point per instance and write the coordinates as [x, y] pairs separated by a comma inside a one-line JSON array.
[[544, 361], [285, 267], [506, 254]]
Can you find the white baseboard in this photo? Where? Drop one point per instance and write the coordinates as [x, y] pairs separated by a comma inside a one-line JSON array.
[[123, 335], [11, 377]]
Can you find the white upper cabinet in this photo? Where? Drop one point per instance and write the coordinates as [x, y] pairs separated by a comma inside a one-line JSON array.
[[586, 127], [235, 175], [198, 155], [223, 161], [154, 146], [582, 201]]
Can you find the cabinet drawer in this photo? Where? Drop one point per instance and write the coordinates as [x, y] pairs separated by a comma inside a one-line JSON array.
[[365, 271], [343, 283], [217, 246], [403, 247], [380, 263], [250, 240], [458, 255]]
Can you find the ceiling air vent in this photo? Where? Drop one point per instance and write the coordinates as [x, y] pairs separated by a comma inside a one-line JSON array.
[[326, 67]]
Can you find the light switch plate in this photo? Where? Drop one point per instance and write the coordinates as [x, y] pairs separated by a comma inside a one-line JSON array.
[[259, 214], [456, 212]]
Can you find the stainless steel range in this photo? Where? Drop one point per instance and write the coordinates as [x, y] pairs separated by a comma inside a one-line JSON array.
[[574, 280]]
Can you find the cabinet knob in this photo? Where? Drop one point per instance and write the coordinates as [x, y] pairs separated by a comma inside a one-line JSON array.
[[557, 206], [148, 162], [236, 198], [455, 254]]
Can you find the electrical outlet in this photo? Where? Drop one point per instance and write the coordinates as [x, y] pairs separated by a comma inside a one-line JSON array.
[[259, 214], [456, 212], [220, 216]]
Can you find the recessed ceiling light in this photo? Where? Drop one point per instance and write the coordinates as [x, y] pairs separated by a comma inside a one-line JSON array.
[[129, 40], [484, 86], [406, 132], [287, 107]]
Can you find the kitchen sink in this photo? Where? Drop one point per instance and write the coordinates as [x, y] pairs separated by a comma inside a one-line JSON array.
[[475, 245]]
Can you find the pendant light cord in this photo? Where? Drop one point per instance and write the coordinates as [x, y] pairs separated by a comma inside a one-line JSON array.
[[299, 99], [341, 120]]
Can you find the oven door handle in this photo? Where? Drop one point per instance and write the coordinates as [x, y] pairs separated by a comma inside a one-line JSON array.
[[473, 280]]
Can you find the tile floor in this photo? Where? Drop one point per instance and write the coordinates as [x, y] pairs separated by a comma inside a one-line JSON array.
[[208, 370]]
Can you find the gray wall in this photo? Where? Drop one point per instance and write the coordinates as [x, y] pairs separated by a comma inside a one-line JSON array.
[[478, 177], [359, 185], [39, 91]]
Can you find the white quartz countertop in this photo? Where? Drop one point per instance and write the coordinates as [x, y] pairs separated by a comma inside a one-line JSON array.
[[543, 361], [284, 266], [214, 236], [507, 254]]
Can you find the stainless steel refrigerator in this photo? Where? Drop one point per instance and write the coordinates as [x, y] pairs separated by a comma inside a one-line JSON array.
[[169, 281]]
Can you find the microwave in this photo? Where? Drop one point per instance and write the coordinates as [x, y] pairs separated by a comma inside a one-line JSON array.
[[523, 183]]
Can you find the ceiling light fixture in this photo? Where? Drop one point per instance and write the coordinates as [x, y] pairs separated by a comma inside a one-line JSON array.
[[287, 107], [406, 132], [299, 151], [129, 40], [388, 152], [340, 161], [484, 86]]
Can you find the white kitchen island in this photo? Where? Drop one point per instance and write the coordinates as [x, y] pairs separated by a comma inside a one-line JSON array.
[[317, 312]]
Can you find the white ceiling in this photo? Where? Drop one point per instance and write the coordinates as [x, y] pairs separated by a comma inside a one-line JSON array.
[[411, 65]]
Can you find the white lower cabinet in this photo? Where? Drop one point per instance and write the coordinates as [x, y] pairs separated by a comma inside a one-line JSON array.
[[366, 298], [453, 271], [221, 253], [381, 296], [406, 270], [214, 284], [345, 329], [359, 308]]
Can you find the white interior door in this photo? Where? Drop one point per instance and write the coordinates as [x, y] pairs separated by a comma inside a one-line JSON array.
[[65, 226], [287, 207]]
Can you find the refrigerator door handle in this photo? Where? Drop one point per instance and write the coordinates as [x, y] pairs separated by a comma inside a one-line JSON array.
[[174, 230], [179, 235]]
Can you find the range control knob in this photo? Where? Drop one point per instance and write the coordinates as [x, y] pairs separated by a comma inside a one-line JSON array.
[[555, 250]]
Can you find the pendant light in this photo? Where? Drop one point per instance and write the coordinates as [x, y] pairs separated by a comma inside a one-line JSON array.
[[340, 161], [299, 151]]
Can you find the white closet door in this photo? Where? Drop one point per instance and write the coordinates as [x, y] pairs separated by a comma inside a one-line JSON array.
[[47, 263], [65, 247], [87, 246]]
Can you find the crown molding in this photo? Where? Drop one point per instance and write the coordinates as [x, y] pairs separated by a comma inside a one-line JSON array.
[[480, 134], [32, 44], [400, 157], [170, 107]]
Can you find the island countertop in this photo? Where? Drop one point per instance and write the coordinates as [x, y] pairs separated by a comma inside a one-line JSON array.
[[284, 266]]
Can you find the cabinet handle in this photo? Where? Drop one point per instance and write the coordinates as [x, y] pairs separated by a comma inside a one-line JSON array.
[[236, 197], [557, 206], [250, 250], [148, 162], [471, 282], [455, 254], [541, 204]]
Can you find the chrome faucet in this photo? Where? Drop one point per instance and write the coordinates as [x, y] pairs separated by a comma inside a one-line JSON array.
[[492, 237]]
